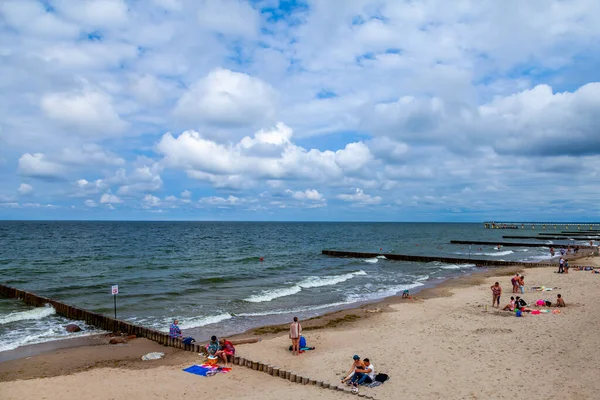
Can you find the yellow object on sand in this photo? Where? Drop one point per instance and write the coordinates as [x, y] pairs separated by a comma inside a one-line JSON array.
[[212, 360]]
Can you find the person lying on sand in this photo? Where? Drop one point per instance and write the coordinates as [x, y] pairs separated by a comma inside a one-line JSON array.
[[357, 364], [510, 306], [560, 302]]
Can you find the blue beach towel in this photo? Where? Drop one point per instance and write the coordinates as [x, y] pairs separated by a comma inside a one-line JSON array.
[[198, 370]]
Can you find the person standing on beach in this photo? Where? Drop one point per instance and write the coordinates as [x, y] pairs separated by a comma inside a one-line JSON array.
[[295, 333], [515, 283], [496, 293], [521, 282], [561, 265], [175, 331]]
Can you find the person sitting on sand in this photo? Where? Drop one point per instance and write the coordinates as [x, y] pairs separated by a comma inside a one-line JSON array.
[[225, 349], [520, 303], [357, 364], [175, 331], [213, 346], [364, 375], [496, 293], [560, 302], [510, 306]]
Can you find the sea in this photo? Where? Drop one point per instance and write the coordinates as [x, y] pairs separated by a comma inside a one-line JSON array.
[[221, 278]]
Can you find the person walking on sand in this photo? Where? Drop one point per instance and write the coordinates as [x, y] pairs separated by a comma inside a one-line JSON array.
[[295, 333], [496, 293]]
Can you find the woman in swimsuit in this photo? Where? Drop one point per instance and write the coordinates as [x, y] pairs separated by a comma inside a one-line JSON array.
[[496, 293]]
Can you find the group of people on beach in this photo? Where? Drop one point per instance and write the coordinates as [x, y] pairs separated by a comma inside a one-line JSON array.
[[221, 349], [517, 303]]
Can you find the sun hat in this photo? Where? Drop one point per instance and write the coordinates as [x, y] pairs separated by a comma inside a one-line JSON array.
[[356, 357]]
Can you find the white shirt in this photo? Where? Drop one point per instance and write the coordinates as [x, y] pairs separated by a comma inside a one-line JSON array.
[[370, 371]]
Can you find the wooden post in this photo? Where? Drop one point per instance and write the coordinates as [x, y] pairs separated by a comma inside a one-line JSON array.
[[270, 369], [254, 365], [292, 377], [312, 382], [275, 371]]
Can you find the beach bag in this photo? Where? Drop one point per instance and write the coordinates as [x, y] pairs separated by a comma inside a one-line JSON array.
[[548, 303], [188, 340], [302, 341], [381, 378]]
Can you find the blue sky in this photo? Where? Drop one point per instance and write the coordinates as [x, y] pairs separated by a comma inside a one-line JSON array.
[[288, 110]]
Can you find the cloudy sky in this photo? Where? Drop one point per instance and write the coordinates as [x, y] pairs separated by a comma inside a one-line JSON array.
[[300, 110]]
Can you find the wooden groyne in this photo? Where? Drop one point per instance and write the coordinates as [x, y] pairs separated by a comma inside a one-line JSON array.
[[110, 324], [101, 321], [448, 260], [572, 234], [505, 244]]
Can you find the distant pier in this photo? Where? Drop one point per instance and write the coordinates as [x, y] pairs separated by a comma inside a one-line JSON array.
[[577, 226]]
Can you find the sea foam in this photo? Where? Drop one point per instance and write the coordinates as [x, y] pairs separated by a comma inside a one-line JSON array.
[[36, 313], [309, 282]]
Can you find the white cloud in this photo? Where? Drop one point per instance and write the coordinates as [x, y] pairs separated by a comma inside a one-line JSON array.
[[89, 154], [240, 19], [31, 17], [360, 198], [25, 189], [267, 155], [95, 14], [151, 201], [308, 194], [227, 99], [108, 198], [37, 166], [221, 201], [186, 194], [84, 113], [90, 203]]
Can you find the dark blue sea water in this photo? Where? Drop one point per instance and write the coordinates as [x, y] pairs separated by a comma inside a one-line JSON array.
[[209, 274]]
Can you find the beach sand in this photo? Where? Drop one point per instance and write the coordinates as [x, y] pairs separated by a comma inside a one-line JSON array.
[[442, 344]]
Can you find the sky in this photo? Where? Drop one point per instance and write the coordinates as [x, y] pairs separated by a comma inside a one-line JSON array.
[[300, 110]]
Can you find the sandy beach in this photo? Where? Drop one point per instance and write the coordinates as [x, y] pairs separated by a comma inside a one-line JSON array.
[[442, 344]]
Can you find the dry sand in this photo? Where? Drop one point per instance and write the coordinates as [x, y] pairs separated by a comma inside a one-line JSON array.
[[443, 347]]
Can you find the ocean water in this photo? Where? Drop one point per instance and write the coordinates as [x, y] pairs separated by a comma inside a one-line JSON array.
[[209, 274]]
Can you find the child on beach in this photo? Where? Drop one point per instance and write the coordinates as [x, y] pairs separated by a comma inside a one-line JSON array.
[[225, 349], [560, 302], [174, 330], [521, 283], [496, 293], [213, 346], [510, 306]]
